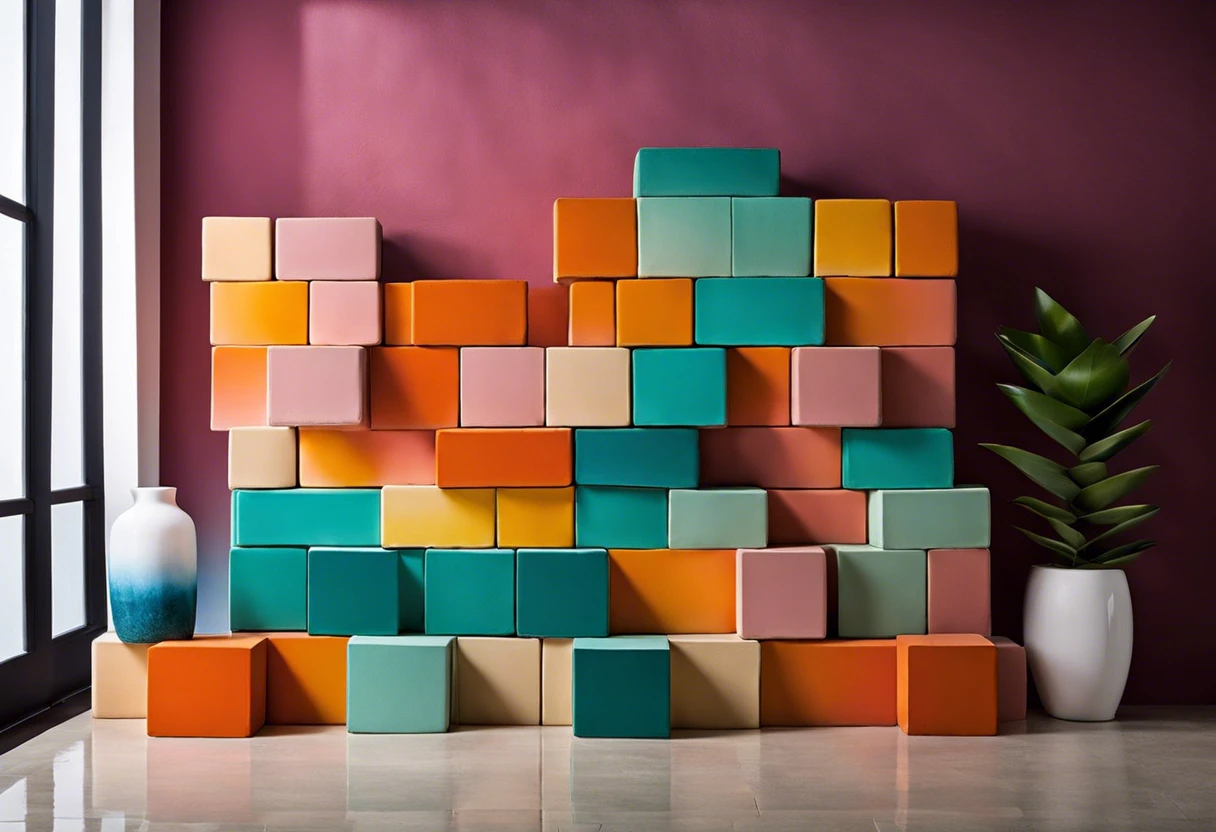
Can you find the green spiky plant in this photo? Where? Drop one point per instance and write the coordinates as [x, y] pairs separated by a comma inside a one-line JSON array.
[[1080, 400]]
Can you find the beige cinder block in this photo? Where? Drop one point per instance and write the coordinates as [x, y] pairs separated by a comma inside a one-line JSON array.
[[715, 682], [120, 678], [236, 248], [498, 681], [261, 457], [556, 661], [587, 387]]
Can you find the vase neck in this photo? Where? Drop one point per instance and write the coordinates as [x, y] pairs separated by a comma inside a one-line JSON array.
[[159, 494]]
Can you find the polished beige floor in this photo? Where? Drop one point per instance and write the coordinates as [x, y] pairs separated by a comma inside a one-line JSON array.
[[1152, 770]]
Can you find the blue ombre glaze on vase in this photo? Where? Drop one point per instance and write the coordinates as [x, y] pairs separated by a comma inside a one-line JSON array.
[[147, 612]]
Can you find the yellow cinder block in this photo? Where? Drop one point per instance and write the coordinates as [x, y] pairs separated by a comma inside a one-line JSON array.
[[120, 678], [261, 457], [423, 515], [557, 656], [715, 682], [259, 314], [853, 237], [532, 517], [237, 248], [498, 681]]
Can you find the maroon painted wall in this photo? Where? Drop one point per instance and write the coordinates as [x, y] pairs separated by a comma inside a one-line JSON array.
[[1078, 139]]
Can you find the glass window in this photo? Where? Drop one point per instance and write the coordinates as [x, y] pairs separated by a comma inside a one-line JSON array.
[[12, 358], [12, 100], [12, 587], [67, 567]]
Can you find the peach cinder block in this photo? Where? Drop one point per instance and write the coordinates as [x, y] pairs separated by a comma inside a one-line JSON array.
[[502, 387], [236, 248], [498, 681], [327, 248], [595, 237], [889, 313], [366, 458], [556, 660], [414, 388], [926, 238], [120, 678], [959, 591], [947, 685], [548, 312], [492, 457], [804, 516], [259, 314], [835, 386], [587, 387], [771, 457], [1011, 679], [238, 387], [305, 679], [261, 457], [758, 386], [470, 313], [715, 682], [781, 593], [344, 312], [654, 313], [918, 387], [398, 313], [593, 313], [316, 385]]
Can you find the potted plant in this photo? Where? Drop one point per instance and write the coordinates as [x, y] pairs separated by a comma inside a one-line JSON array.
[[1078, 614]]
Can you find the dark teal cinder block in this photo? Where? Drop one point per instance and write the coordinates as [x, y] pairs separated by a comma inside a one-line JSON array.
[[873, 458], [561, 593], [771, 237], [411, 590], [639, 457], [759, 311], [470, 592], [354, 591], [306, 517], [620, 518], [268, 589], [707, 171], [622, 687], [682, 386], [399, 684]]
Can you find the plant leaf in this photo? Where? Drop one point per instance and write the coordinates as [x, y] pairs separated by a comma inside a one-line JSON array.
[[1050, 475], [1034, 411], [1116, 529], [1068, 534], [1104, 449], [1053, 410], [1095, 377], [1032, 370], [1088, 473], [1124, 553], [1102, 494], [1059, 325], [1117, 411], [1118, 514], [1126, 342], [1046, 510], [1037, 347], [1062, 549]]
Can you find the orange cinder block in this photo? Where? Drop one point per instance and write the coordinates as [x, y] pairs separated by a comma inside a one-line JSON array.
[[470, 313], [926, 238], [947, 685], [398, 313], [507, 457], [671, 591], [238, 387], [305, 679], [894, 312], [366, 458], [654, 313], [547, 313], [595, 238], [212, 686], [414, 388], [758, 386], [593, 313], [828, 682], [259, 313]]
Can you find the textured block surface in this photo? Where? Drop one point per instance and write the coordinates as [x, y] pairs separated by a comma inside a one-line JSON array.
[[771, 237], [654, 313], [824, 515], [469, 313], [366, 458], [762, 311], [771, 457], [414, 388], [354, 591], [423, 515], [781, 593], [268, 589], [930, 518], [261, 457], [679, 386], [306, 517], [918, 387], [947, 685], [720, 518], [606, 517], [238, 387], [498, 681], [836, 386], [587, 387], [212, 686], [344, 312], [959, 591], [259, 314], [535, 517], [641, 457], [236, 248], [706, 171], [890, 313], [470, 592], [853, 237], [828, 683], [758, 386], [120, 678], [926, 238], [490, 457], [592, 313], [715, 682], [897, 458], [557, 656], [316, 386], [561, 593], [622, 687], [683, 237], [548, 316], [398, 300], [594, 237], [327, 248], [305, 679], [1011, 679], [671, 591], [502, 387], [399, 684], [881, 593]]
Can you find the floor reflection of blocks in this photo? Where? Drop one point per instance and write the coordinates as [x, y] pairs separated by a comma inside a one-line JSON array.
[[299, 769], [205, 780], [119, 749], [635, 777], [501, 769], [706, 773], [852, 769], [392, 773]]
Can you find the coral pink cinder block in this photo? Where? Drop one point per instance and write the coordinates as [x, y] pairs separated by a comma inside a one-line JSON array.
[[781, 593], [804, 516], [316, 386], [344, 312], [1010, 679], [502, 387], [835, 386], [918, 387], [959, 591], [327, 248]]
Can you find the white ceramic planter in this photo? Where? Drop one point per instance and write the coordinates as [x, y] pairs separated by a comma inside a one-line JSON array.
[[1078, 628]]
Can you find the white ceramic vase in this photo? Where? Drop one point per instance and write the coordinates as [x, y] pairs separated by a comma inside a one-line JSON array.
[[1078, 629], [153, 563]]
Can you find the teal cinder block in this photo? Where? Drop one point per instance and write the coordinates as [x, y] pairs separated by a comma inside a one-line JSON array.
[[399, 684], [621, 687], [620, 518], [881, 593], [354, 591], [684, 237], [411, 590], [771, 237], [640, 457], [936, 518], [760, 312], [874, 458], [470, 592], [268, 589], [681, 386], [707, 171], [306, 517], [561, 593], [718, 518]]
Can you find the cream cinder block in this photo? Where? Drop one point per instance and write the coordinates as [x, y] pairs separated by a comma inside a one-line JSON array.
[[261, 457], [498, 681], [715, 682], [426, 516], [587, 387], [557, 658], [236, 248], [120, 678]]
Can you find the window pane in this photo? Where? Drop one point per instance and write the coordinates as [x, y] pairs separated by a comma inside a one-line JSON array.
[[67, 421], [12, 358], [12, 587], [67, 567], [12, 99]]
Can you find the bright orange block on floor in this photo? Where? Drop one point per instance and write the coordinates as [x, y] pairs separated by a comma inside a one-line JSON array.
[[828, 682], [238, 387], [470, 313], [811, 516], [548, 308], [507, 457], [926, 238], [366, 458], [212, 686], [259, 313], [889, 313], [398, 314], [794, 457], [414, 388], [305, 679], [654, 313], [758, 386], [947, 685], [595, 238], [671, 591], [593, 313]]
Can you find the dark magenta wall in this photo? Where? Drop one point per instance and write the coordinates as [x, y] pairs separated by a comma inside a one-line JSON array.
[[1078, 139]]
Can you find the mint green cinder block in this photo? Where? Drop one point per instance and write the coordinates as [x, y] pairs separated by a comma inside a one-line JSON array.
[[561, 593], [470, 592], [640, 457], [681, 386], [685, 237], [759, 312], [399, 684], [771, 237], [707, 171], [354, 591], [874, 458], [306, 517], [620, 518], [881, 592], [268, 589], [936, 518], [621, 687], [718, 518]]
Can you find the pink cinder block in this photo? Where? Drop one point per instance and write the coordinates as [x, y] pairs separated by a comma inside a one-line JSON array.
[[918, 387], [959, 591], [781, 593], [835, 386], [798, 517], [1010, 679], [344, 312], [316, 386], [502, 387], [327, 248]]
